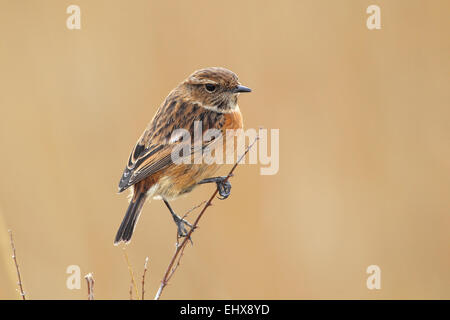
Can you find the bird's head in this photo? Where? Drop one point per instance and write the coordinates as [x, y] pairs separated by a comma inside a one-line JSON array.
[[214, 88]]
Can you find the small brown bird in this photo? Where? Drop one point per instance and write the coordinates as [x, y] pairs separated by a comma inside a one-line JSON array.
[[209, 96]]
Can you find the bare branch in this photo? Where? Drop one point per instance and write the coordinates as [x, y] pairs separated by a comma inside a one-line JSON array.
[[90, 285], [22, 293], [177, 264], [143, 277], [175, 261], [130, 269], [193, 208]]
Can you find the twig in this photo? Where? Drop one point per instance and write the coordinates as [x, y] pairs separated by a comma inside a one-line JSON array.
[[143, 277], [193, 208], [185, 216], [131, 290], [131, 272], [180, 247], [90, 285], [22, 293], [177, 264]]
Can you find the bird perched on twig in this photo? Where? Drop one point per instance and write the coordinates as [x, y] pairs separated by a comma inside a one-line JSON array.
[[208, 97]]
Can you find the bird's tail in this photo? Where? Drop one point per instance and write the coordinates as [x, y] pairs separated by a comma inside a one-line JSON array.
[[131, 217]]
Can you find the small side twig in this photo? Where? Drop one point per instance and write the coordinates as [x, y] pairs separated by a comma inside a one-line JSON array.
[[143, 277], [22, 293], [193, 208], [175, 261], [90, 285], [131, 290], [130, 269]]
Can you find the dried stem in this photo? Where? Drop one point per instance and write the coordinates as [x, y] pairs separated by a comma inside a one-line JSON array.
[[176, 258], [193, 208], [131, 290], [90, 285], [130, 269], [22, 293], [143, 277]]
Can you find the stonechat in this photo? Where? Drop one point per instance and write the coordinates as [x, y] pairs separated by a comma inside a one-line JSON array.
[[207, 97]]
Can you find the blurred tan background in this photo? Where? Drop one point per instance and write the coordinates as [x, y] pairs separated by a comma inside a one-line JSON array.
[[364, 125]]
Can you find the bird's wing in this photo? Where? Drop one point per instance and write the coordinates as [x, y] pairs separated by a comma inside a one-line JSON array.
[[153, 151]]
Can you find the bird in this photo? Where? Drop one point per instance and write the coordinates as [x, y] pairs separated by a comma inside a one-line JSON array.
[[208, 99]]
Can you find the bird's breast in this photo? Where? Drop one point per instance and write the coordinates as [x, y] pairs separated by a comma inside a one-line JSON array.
[[233, 120]]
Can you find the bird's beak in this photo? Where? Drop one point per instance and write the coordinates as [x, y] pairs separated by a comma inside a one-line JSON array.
[[240, 88]]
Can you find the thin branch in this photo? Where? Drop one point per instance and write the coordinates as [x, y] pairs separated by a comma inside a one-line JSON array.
[[130, 269], [175, 261], [193, 208], [143, 277], [131, 290], [22, 293], [176, 265], [185, 216], [90, 285]]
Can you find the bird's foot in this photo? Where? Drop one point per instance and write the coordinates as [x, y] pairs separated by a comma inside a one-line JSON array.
[[223, 186], [181, 223]]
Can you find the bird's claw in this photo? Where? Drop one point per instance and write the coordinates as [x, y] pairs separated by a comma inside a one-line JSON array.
[[224, 188], [181, 229], [223, 185]]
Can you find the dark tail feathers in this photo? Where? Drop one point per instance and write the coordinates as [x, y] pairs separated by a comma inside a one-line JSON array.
[[129, 221]]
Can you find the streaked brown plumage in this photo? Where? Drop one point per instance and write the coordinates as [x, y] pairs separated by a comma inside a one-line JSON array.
[[208, 95]]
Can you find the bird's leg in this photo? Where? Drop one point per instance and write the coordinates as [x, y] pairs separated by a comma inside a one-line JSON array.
[[182, 232], [223, 186]]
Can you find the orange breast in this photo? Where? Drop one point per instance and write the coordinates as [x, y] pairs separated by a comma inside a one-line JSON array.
[[233, 120]]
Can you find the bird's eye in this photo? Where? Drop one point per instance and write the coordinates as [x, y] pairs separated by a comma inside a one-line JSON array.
[[210, 87]]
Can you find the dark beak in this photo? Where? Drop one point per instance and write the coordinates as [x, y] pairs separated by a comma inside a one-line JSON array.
[[240, 88]]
